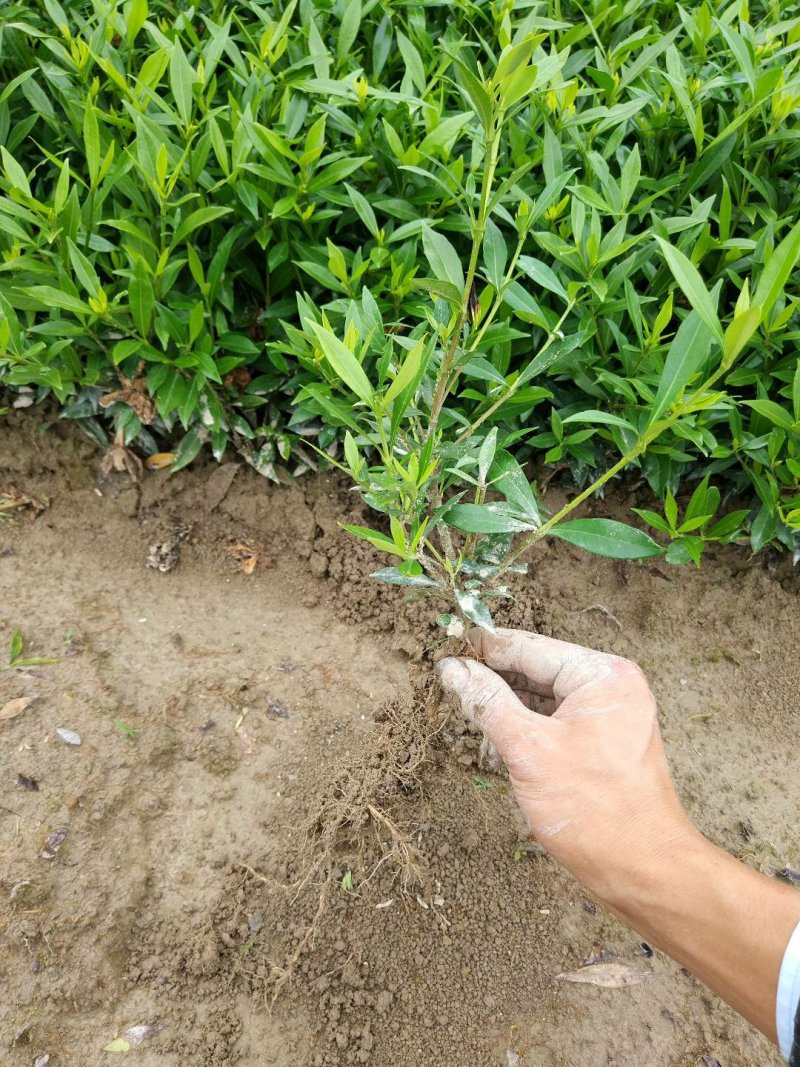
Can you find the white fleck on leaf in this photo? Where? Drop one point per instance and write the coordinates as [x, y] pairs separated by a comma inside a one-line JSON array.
[[69, 737], [608, 975], [14, 707]]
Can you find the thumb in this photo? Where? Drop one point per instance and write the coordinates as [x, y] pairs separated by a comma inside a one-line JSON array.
[[490, 703]]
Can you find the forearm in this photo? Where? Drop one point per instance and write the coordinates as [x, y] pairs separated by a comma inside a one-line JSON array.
[[726, 923]]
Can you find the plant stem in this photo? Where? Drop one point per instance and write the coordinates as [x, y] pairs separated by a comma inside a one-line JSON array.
[[641, 446], [498, 403], [448, 360]]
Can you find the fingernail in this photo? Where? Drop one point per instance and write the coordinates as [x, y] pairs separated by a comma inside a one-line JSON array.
[[452, 672]]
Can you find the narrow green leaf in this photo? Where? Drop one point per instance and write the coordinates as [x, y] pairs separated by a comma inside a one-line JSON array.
[[344, 363], [140, 297], [14, 172], [443, 258], [507, 477], [777, 270], [607, 537], [202, 217], [393, 576], [91, 142], [687, 354], [772, 411], [738, 333], [688, 278], [136, 12], [495, 254], [486, 519], [49, 297], [181, 79], [412, 61], [543, 275], [348, 30], [605, 418], [376, 539], [84, 270], [188, 449], [407, 372]]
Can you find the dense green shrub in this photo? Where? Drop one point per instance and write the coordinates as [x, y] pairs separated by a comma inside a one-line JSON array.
[[186, 193]]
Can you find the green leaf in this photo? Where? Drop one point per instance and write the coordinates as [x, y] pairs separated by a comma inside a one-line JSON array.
[[738, 333], [486, 454], [407, 372], [202, 217], [15, 649], [49, 297], [688, 278], [376, 539], [140, 297], [543, 275], [181, 79], [136, 13], [508, 478], [607, 537], [475, 609], [495, 254], [764, 528], [84, 270], [394, 576], [446, 290], [413, 62], [486, 519], [344, 363], [772, 411], [14, 172], [187, 450], [443, 258], [605, 418], [348, 30], [686, 356], [777, 270], [91, 142], [363, 209]]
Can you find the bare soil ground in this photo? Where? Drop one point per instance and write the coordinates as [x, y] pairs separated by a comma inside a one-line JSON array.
[[215, 708]]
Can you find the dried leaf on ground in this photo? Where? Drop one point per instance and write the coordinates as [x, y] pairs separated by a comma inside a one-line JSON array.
[[608, 975], [120, 458], [276, 709], [159, 461], [600, 953], [12, 498], [135, 1035], [54, 842], [69, 737], [134, 393], [14, 708], [248, 554]]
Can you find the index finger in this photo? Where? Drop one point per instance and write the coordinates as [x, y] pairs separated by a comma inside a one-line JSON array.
[[554, 668]]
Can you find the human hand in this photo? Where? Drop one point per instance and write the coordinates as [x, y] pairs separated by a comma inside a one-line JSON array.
[[577, 730]]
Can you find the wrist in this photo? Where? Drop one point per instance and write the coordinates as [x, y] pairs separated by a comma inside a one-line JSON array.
[[658, 861]]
